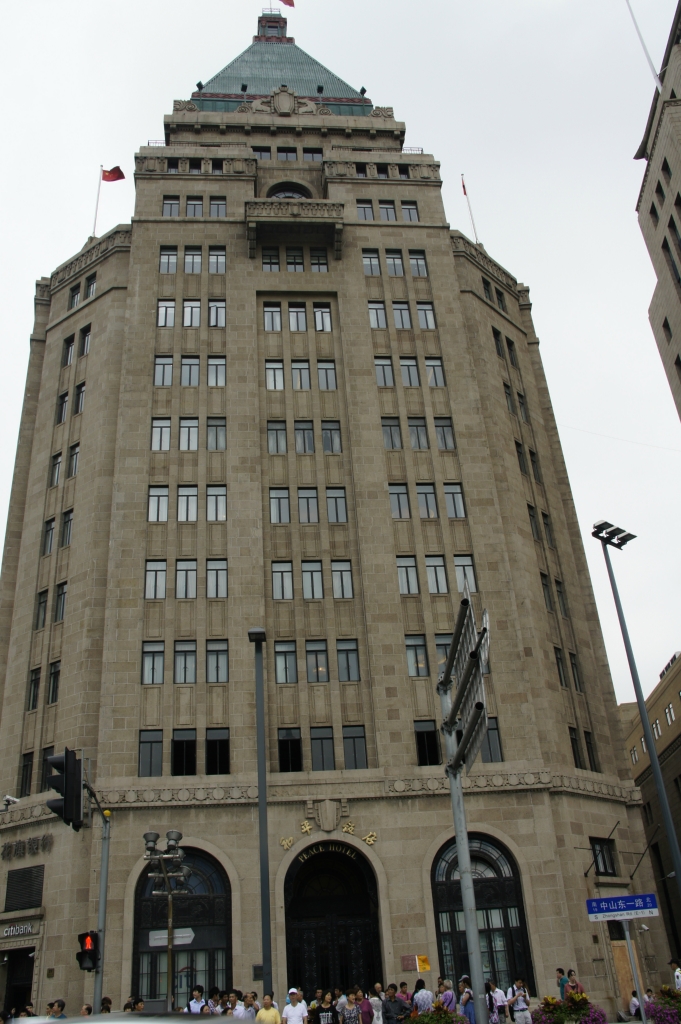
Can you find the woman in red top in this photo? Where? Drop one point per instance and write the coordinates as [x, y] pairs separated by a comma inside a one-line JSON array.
[[573, 985], [365, 1007]]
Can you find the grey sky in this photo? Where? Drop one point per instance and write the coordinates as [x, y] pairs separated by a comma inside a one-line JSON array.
[[542, 103]]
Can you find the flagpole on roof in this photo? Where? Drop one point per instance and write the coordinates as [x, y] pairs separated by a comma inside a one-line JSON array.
[[470, 210], [658, 83], [99, 189]]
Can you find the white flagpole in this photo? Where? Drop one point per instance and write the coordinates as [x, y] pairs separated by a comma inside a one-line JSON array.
[[470, 210], [99, 189], [658, 83]]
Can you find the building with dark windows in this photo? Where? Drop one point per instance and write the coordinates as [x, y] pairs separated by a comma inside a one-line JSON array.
[[659, 208], [288, 394], [664, 711]]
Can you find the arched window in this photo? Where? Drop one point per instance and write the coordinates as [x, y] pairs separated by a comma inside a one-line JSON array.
[[288, 190], [202, 922], [501, 914]]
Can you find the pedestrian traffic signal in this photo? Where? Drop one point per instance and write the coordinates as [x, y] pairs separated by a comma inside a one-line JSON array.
[[67, 779], [89, 951]]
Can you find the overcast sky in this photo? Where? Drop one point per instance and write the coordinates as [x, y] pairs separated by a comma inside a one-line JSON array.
[[542, 103]]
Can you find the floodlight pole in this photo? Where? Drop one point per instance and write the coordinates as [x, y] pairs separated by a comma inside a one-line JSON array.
[[606, 542], [258, 637]]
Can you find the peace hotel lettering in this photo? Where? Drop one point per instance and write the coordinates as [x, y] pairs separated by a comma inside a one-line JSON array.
[[20, 847]]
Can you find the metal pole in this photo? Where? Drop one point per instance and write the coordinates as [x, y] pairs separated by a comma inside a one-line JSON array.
[[658, 83], [99, 189], [465, 874], [647, 730], [634, 971], [101, 915], [170, 979], [266, 924]]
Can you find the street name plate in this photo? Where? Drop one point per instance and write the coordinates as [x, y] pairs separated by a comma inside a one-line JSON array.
[[622, 908]]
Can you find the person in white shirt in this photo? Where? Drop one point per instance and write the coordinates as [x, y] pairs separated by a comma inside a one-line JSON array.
[[294, 1012], [674, 964], [634, 1006], [519, 998], [496, 1002], [197, 1000]]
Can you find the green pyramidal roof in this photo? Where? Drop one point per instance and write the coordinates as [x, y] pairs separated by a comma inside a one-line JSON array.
[[265, 66], [274, 60]]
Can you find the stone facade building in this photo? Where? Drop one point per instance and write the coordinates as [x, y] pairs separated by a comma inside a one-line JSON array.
[[659, 208], [288, 394], [664, 712]]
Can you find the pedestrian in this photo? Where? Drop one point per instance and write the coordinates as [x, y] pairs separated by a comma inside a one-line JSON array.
[[499, 999], [423, 997], [268, 1014], [394, 1009], [648, 997], [448, 998], [86, 1010], [317, 999], [376, 999], [674, 964], [58, 1009], [573, 985], [214, 1000], [326, 1011], [378, 991], [295, 1011], [197, 1001], [350, 1014], [106, 1004], [29, 1010], [519, 998], [127, 1007], [403, 994], [138, 1004], [365, 1008], [341, 999], [206, 1009], [561, 982], [466, 1000]]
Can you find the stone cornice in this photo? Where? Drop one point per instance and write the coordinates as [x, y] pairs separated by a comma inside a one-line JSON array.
[[462, 246], [662, 756], [117, 240], [665, 106]]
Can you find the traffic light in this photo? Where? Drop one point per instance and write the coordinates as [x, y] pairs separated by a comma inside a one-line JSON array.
[[67, 779], [89, 951]]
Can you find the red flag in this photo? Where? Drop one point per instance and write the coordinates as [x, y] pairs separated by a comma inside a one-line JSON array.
[[289, 3], [115, 174], [463, 186]]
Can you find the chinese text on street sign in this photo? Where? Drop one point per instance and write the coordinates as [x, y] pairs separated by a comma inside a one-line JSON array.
[[622, 908]]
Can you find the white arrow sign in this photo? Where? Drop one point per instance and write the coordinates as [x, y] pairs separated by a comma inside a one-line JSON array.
[[181, 937]]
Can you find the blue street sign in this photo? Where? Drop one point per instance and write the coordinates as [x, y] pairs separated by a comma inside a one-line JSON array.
[[622, 908]]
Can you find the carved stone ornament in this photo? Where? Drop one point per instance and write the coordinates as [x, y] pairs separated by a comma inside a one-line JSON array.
[[383, 112], [324, 111], [184, 105], [327, 815], [284, 102]]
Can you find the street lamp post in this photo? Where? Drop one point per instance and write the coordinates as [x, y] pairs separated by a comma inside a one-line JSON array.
[[258, 637], [613, 537], [159, 862]]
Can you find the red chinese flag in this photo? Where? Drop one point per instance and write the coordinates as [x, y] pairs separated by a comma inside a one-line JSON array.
[[289, 3], [115, 174]]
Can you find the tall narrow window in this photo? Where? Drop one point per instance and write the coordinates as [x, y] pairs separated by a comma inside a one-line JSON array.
[[427, 501], [152, 663], [217, 751], [321, 743], [399, 501], [84, 340], [348, 660], [26, 774], [490, 749], [216, 577], [377, 320], [534, 525], [426, 315], [417, 262], [354, 747], [331, 437], [522, 462], [560, 594], [341, 574], [417, 655], [308, 505], [280, 510], [216, 371], [53, 682], [384, 372], [509, 399], [194, 206], [548, 529], [560, 665], [465, 572], [410, 211], [454, 501], [326, 374], [487, 289], [393, 261], [189, 435], [276, 437], [510, 345], [187, 503], [67, 351], [163, 371], [45, 768], [591, 753], [74, 296], [290, 750], [216, 434], [336, 507], [270, 259], [191, 313], [166, 313], [387, 209], [282, 581], [48, 536], [62, 406], [217, 661], [437, 574], [216, 259], [427, 743], [501, 299], [41, 610], [546, 590], [322, 316], [155, 581], [300, 374], [171, 206], [285, 663], [167, 263], [313, 586], [217, 314], [189, 376], [66, 527], [183, 752], [274, 374], [297, 316], [576, 750], [410, 372], [317, 661], [33, 689], [402, 316], [216, 503], [150, 753], [294, 260], [435, 373], [522, 405], [185, 579], [304, 437], [60, 602], [272, 316], [498, 343], [407, 576], [444, 432], [392, 435], [534, 462], [185, 661], [365, 209], [576, 676], [218, 206], [192, 259]]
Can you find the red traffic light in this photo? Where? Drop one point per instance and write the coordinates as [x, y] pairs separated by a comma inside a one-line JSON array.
[[88, 955]]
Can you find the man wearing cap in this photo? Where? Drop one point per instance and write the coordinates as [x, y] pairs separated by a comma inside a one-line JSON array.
[[294, 1012], [674, 964]]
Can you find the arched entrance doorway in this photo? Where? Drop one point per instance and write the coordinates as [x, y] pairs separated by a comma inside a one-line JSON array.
[[332, 935], [501, 914], [202, 921]]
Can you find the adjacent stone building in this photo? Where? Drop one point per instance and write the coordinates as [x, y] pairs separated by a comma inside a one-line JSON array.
[[288, 394], [659, 208], [664, 712]]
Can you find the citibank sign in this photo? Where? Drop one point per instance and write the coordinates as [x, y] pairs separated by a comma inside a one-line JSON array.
[[18, 929]]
